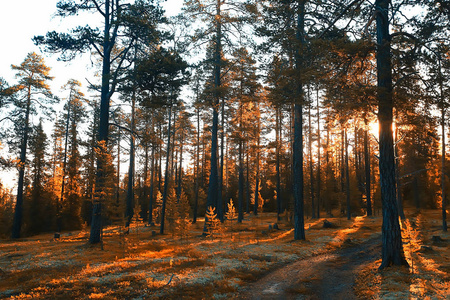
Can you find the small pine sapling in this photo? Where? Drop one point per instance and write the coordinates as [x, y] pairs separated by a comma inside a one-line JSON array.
[[183, 222], [213, 225], [137, 219], [231, 215], [172, 212], [156, 212]]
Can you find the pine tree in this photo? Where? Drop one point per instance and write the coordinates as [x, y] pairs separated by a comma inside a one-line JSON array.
[[172, 213], [33, 76], [212, 223], [183, 221], [156, 212], [40, 208]]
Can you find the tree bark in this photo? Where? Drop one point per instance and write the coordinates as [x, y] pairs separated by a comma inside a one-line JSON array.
[[197, 163], [367, 167], [213, 187], [258, 141], [443, 194], [18, 209], [130, 190], [278, 175], [347, 176], [318, 156], [392, 247], [299, 223], [311, 168], [96, 223], [166, 173]]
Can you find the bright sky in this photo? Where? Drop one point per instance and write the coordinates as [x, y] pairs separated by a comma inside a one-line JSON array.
[[20, 21]]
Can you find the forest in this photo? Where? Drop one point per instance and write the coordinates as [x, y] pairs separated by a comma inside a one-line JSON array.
[[228, 147]]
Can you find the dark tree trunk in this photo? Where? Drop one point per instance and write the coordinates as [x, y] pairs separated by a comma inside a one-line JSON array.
[[180, 172], [318, 157], [342, 170], [367, 167], [311, 168], [130, 191], [443, 194], [328, 171], [241, 185], [213, 188], [397, 179], [63, 181], [166, 173], [299, 223], [160, 159], [18, 209], [255, 208], [197, 158], [96, 223], [347, 176], [222, 145], [247, 176], [392, 247], [278, 175]]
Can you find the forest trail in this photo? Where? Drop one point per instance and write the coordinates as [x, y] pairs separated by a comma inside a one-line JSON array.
[[330, 275]]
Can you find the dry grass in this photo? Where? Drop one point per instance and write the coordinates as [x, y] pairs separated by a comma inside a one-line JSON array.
[[144, 266], [428, 274]]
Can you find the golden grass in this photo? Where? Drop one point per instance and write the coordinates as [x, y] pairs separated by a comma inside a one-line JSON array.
[[153, 267], [428, 274]]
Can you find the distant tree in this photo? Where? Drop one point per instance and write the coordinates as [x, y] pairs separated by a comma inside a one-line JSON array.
[[71, 193], [40, 209], [219, 20], [30, 92], [6, 210]]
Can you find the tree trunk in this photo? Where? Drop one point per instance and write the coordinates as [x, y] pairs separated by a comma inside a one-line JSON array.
[[311, 169], [318, 157], [63, 181], [392, 247], [241, 185], [299, 223], [197, 158], [18, 209], [152, 186], [443, 194], [222, 140], [247, 175], [278, 175], [166, 173], [347, 176], [367, 167], [96, 223], [180, 172], [255, 208], [213, 187], [397, 179], [130, 191]]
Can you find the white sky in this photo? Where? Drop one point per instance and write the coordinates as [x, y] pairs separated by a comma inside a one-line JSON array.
[[20, 21]]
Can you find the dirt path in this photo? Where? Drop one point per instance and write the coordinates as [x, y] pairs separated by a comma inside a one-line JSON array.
[[326, 276]]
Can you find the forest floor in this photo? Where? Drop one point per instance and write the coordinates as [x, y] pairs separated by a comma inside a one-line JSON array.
[[246, 261]]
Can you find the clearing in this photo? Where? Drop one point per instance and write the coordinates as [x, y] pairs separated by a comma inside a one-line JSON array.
[[245, 261]]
